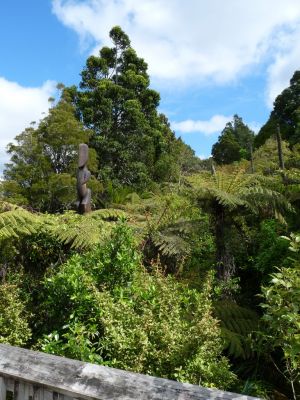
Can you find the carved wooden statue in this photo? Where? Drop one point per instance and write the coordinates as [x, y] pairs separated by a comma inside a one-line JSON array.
[[83, 175]]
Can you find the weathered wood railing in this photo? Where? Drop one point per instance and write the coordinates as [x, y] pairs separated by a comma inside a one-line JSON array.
[[31, 375]]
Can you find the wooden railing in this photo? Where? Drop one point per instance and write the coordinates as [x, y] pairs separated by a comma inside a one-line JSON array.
[[31, 375]]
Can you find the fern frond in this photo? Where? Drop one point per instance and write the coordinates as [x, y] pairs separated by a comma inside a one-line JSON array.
[[111, 214], [83, 231], [237, 345], [171, 245], [237, 189], [236, 324], [17, 221]]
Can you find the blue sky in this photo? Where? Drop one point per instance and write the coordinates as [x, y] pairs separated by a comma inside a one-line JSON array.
[[208, 59]]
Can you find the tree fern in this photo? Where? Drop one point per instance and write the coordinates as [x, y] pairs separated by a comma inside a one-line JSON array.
[[236, 323], [83, 232], [16, 221], [80, 232], [228, 194], [164, 224], [236, 188]]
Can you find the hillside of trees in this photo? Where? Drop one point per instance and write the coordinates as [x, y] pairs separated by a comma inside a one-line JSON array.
[[185, 269]]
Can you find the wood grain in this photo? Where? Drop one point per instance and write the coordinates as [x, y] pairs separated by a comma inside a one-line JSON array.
[[61, 376]]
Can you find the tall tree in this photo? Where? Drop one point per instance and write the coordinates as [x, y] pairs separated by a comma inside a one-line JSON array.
[[234, 143], [227, 196], [286, 113], [43, 161], [227, 149], [131, 139]]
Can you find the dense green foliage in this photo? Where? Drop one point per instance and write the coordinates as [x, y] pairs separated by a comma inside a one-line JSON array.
[[14, 327], [41, 173], [134, 143], [104, 307], [184, 269], [282, 319], [234, 143], [229, 197], [285, 113]]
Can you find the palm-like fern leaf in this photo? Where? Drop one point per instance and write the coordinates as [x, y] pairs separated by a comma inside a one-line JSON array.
[[16, 221], [237, 189], [107, 214], [163, 221], [237, 323], [81, 232], [84, 231], [171, 245]]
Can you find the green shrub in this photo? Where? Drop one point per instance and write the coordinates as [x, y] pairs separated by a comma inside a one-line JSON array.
[[271, 249], [279, 337], [162, 328], [104, 307], [14, 328], [282, 322]]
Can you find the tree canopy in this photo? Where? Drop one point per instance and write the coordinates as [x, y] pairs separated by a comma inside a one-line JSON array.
[[285, 113], [134, 143], [234, 143], [43, 163]]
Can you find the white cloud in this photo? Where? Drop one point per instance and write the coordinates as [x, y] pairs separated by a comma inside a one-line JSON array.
[[18, 107], [254, 126], [286, 61], [197, 40], [215, 124], [202, 156]]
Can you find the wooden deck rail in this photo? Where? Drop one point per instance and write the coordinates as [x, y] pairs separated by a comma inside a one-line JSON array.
[[31, 375]]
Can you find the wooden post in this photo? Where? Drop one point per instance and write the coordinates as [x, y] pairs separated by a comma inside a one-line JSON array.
[[212, 167], [83, 175], [24, 391], [38, 393], [2, 389]]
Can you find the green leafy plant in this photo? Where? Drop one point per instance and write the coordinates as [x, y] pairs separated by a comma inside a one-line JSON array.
[[15, 221], [14, 326], [230, 193], [237, 323], [281, 320], [103, 306]]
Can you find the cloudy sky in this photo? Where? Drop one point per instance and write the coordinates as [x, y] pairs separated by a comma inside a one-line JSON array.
[[209, 59]]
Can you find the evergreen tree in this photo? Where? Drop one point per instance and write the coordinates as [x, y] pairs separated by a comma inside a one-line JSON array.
[[234, 143], [134, 144], [43, 161], [227, 149], [285, 113]]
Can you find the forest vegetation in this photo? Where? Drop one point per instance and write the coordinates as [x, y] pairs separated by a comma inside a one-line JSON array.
[[186, 269]]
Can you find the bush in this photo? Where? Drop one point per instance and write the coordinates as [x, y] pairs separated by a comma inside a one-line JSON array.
[[271, 249], [281, 323], [162, 328], [14, 328], [279, 339], [104, 307]]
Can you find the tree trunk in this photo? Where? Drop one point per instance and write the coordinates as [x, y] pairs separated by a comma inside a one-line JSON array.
[[279, 146], [251, 159], [224, 257]]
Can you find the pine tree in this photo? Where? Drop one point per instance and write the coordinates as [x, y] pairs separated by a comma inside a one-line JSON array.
[[134, 143], [234, 143]]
